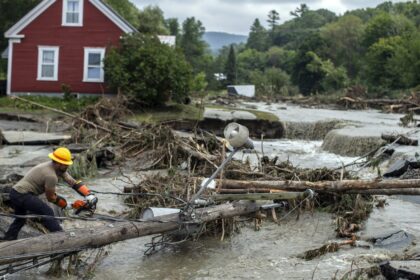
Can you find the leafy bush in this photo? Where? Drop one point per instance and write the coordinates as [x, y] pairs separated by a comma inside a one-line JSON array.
[[148, 70]]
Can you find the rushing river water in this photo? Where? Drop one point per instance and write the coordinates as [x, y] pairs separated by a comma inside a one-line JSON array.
[[272, 252]]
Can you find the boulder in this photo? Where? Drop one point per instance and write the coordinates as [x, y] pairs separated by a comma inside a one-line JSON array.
[[397, 169], [401, 269], [414, 162]]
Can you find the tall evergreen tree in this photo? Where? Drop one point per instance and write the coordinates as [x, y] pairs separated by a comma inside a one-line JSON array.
[[192, 43], [172, 25], [273, 19], [300, 11], [257, 38], [230, 67]]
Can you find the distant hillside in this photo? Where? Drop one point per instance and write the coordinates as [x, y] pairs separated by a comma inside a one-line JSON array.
[[217, 40]]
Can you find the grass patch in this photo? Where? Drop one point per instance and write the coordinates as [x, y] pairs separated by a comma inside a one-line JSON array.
[[70, 105], [169, 112], [259, 114]]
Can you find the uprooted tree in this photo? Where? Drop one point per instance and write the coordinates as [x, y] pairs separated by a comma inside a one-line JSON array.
[[148, 70]]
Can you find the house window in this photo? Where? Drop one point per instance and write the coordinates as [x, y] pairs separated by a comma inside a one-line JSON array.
[[73, 12], [93, 70], [48, 63]]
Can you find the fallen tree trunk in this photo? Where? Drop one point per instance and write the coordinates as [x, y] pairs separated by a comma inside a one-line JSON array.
[[323, 186], [400, 139], [259, 196], [29, 248], [413, 191], [232, 191]]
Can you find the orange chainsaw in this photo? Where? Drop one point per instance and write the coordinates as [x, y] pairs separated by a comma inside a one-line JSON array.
[[89, 205]]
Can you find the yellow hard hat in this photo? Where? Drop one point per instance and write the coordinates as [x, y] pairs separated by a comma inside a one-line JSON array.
[[61, 155]]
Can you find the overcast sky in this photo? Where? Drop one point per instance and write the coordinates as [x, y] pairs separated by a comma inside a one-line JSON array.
[[236, 16]]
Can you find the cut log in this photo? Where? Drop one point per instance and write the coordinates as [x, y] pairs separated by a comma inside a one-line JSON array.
[[323, 186], [400, 139], [96, 237], [242, 191], [412, 191], [259, 196]]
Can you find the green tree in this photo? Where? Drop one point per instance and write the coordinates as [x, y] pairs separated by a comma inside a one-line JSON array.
[[199, 82], [344, 38], [314, 75], [381, 72], [230, 68], [249, 60], [280, 58], [385, 25], [271, 82], [172, 25], [300, 11], [11, 12], [151, 21], [126, 9], [192, 44], [292, 33], [147, 70], [258, 37], [273, 19]]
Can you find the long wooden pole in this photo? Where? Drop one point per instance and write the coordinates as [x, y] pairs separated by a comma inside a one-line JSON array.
[[96, 237], [324, 186]]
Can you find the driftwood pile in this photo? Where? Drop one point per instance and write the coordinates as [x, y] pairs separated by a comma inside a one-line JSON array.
[[410, 103], [157, 146]]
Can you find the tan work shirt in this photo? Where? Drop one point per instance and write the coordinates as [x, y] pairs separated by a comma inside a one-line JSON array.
[[41, 177]]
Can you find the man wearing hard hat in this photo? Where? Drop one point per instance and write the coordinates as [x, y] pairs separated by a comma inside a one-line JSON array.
[[43, 178]]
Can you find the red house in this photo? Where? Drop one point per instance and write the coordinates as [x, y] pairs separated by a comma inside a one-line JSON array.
[[62, 42]]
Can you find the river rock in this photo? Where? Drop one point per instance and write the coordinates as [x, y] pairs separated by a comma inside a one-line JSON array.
[[411, 174], [414, 162], [397, 169], [394, 270], [396, 240]]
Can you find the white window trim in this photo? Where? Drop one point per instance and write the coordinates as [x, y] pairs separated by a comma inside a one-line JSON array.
[[64, 22], [56, 50], [85, 66]]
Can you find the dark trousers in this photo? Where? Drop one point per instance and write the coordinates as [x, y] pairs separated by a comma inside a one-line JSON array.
[[28, 202]]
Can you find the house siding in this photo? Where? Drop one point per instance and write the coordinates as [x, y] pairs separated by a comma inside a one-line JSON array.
[[46, 30]]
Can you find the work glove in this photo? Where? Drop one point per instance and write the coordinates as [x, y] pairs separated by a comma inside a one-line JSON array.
[[60, 201]]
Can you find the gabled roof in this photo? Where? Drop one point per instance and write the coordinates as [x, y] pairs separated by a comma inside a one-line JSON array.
[[13, 32]]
